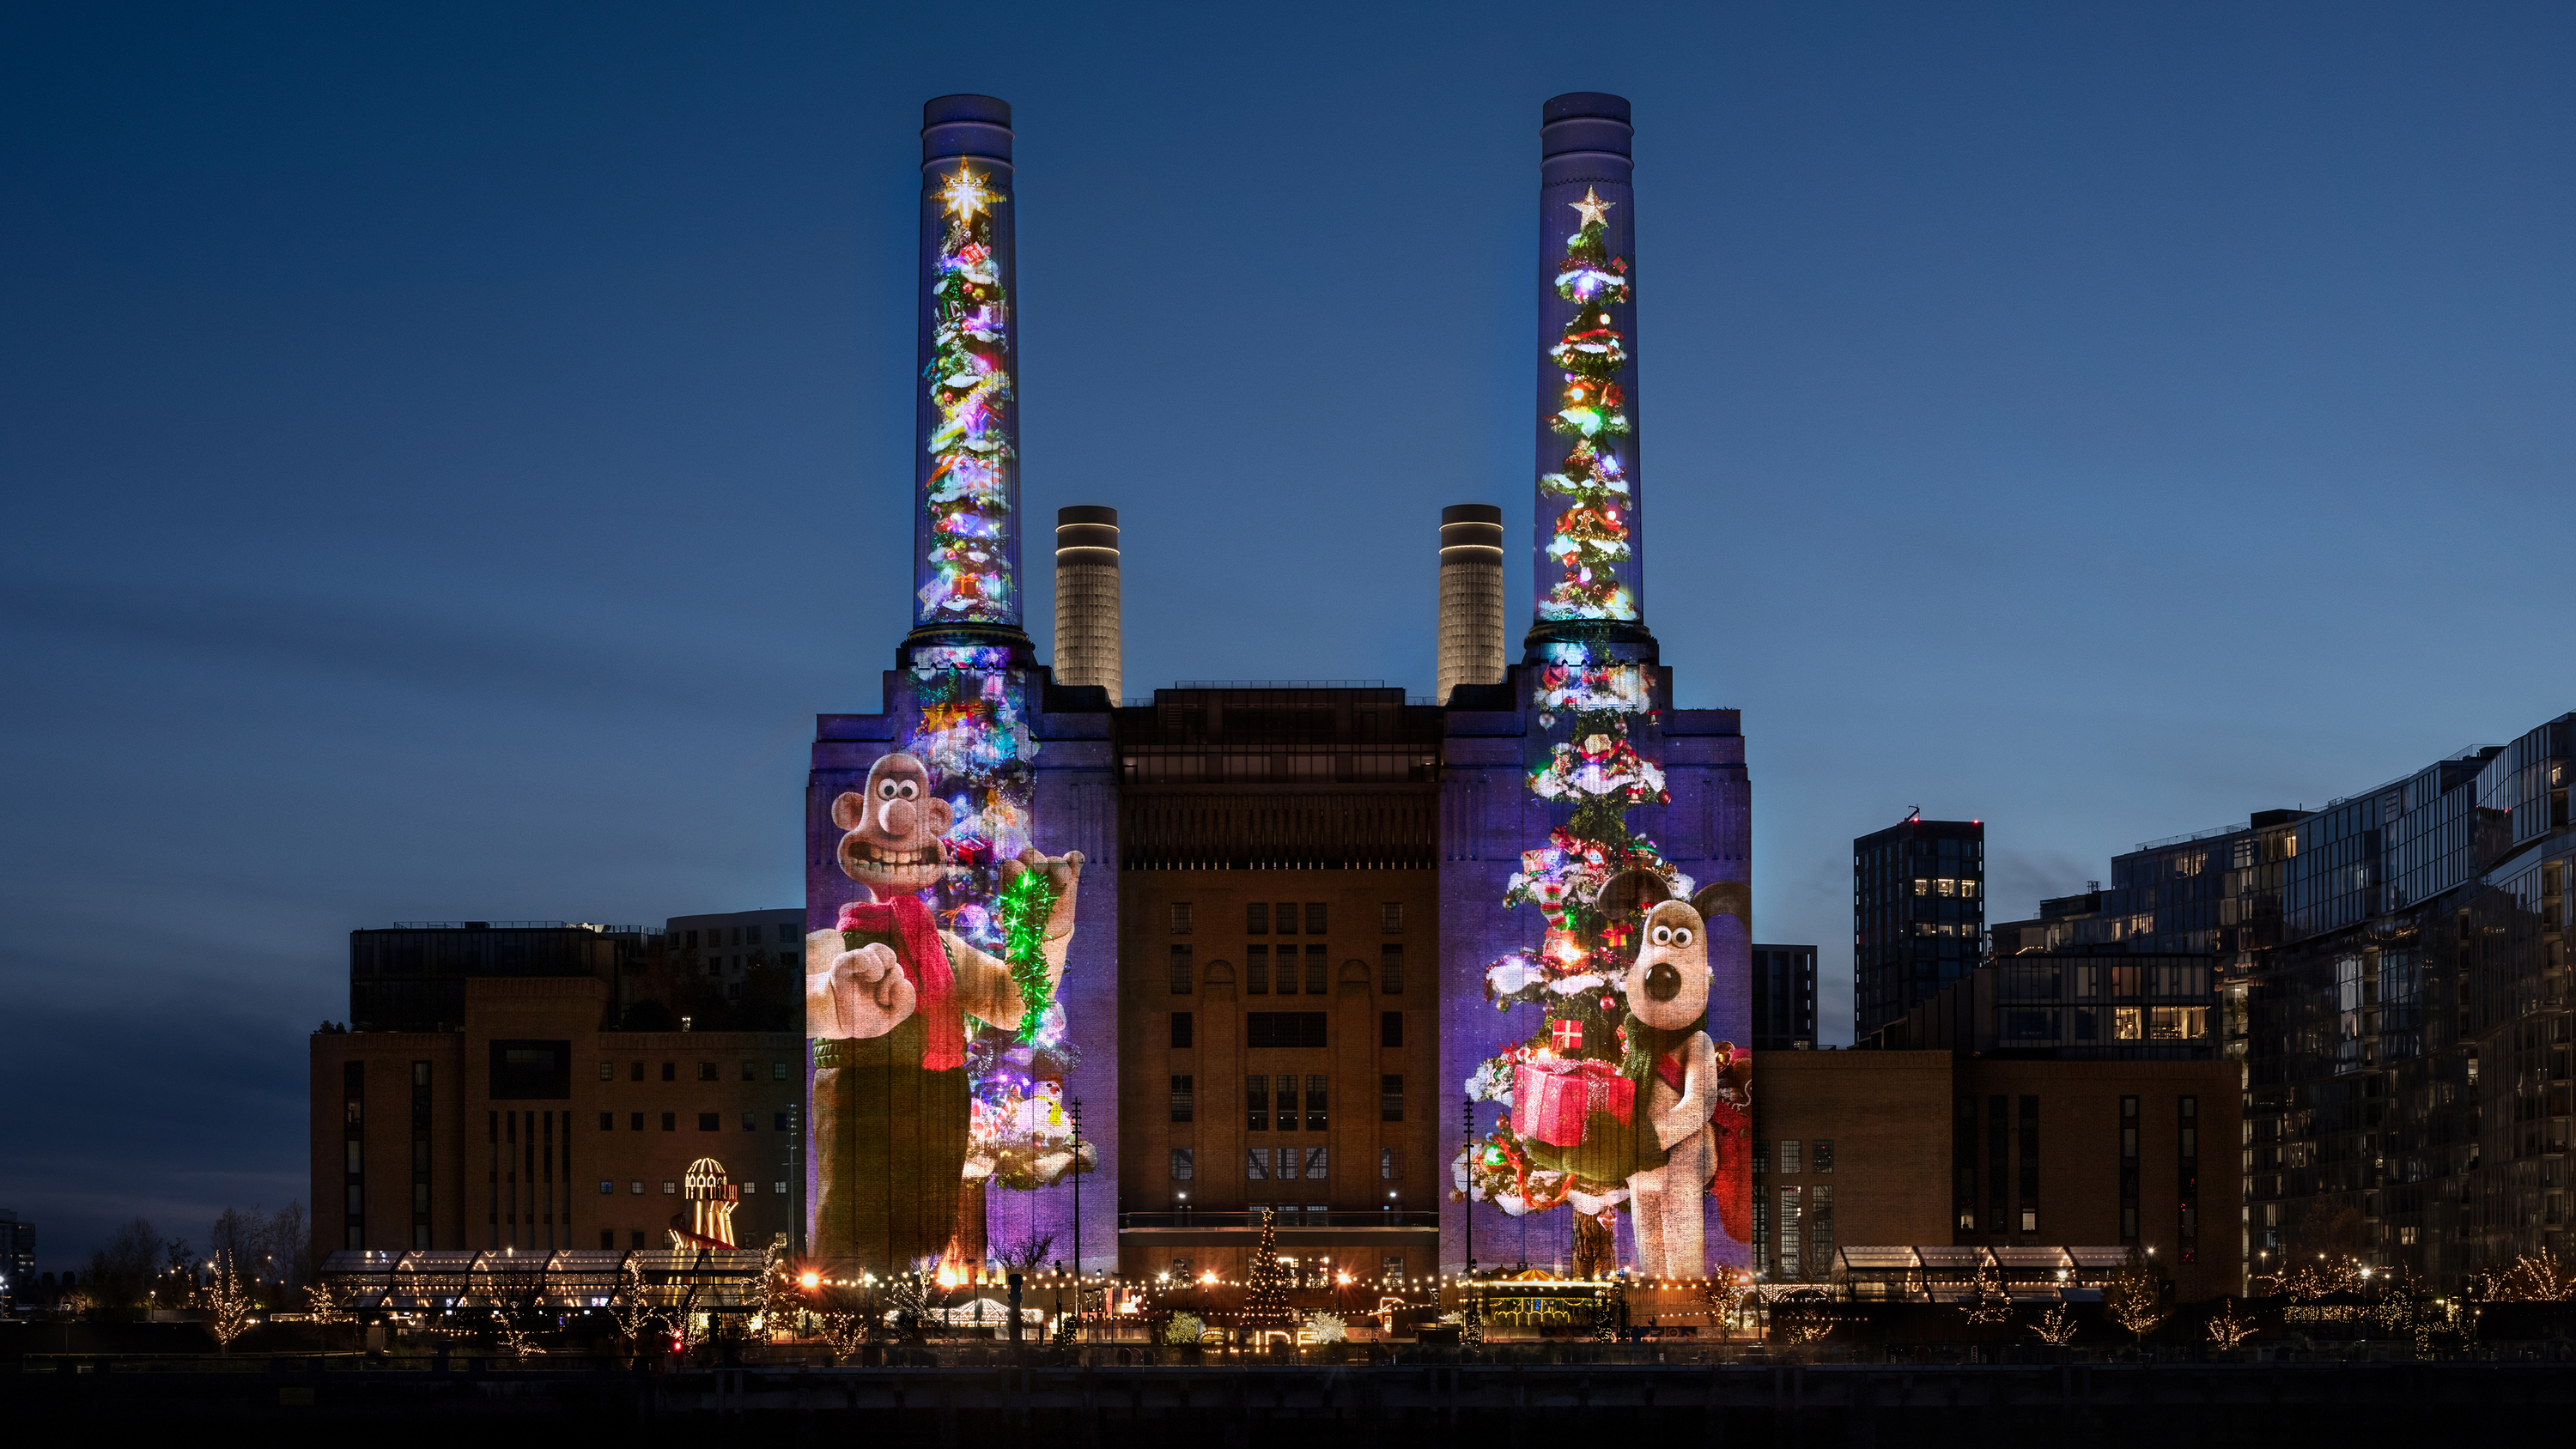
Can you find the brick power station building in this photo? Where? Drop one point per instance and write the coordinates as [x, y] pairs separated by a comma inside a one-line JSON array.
[[1273, 980]]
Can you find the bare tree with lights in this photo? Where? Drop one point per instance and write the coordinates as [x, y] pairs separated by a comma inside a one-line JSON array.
[[228, 1304], [2134, 1298], [632, 1306], [2056, 1327], [2227, 1330], [1986, 1301]]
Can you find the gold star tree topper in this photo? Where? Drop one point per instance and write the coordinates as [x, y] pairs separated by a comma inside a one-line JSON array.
[[965, 194], [1592, 208]]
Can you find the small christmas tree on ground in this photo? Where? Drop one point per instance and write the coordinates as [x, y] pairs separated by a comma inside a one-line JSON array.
[[1265, 1304]]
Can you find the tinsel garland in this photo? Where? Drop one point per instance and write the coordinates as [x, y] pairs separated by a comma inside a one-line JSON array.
[[1026, 905]]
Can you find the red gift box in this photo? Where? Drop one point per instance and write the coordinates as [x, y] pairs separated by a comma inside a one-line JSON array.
[[1551, 1098]]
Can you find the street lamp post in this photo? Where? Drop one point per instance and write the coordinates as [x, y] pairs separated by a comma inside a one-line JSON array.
[[1079, 1324]]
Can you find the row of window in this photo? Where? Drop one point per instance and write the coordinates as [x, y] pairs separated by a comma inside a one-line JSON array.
[[782, 1121], [1285, 1029], [1258, 977], [1797, 1155], [1260, 919], [608, 1187], [1287, 1164], [1283, 1103], [742, 936], [707, 1071]]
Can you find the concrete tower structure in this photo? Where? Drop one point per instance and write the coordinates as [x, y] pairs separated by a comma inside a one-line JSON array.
[[1471, 597], [1089, 648]]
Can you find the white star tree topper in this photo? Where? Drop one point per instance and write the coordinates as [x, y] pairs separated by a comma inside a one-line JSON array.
[[965, 193], [1592, 208]]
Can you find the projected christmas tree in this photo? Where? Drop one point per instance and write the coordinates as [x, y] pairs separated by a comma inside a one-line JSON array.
[[1591, 535], [969, 376], [1572, 1084]]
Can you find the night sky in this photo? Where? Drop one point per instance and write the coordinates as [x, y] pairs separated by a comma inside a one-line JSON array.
[[450, 456]]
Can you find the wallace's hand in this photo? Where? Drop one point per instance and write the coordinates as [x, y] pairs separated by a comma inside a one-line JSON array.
[[1063, 873], [870, 992]]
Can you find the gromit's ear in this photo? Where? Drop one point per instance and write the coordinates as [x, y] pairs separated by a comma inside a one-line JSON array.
[[1630, 891], [1725, 898], [850, 811]]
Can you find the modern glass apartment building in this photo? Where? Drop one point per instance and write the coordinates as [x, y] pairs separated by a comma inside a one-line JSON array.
[[2392, 971], [1918, 915]]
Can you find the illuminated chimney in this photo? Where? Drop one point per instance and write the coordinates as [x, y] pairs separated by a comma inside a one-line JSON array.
[[1589, 537], [1088, 649], [1471, 597], [966, 478]]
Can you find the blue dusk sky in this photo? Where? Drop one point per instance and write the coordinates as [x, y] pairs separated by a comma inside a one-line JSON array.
[[451, 452]]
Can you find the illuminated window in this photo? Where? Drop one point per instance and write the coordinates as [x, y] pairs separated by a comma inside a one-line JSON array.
[[2127, 1025], [1790, 1155], [608, 1071], [779, 1187], [1390, 1165], [1968, 889], [1946, 885], [1922, 887], [639, 1187], [670, 1188], [1184, 1163], [607, 1187]]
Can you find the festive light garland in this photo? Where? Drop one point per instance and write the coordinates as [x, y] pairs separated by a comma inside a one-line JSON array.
[[1027, 904]]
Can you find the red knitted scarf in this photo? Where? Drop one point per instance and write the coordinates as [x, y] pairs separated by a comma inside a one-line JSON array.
[[934, 985]]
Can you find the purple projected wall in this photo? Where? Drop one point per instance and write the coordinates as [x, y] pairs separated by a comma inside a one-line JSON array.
[[960, 985], [1595, 898]]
